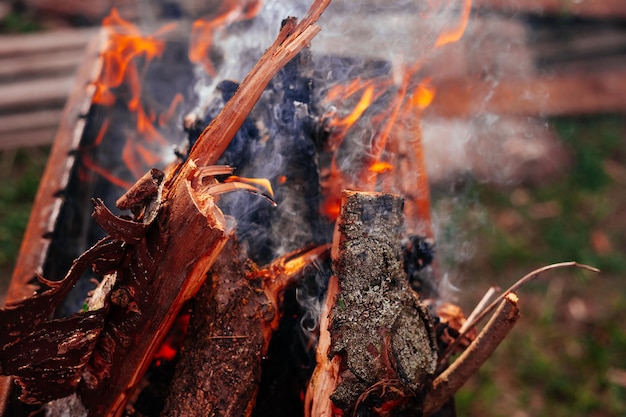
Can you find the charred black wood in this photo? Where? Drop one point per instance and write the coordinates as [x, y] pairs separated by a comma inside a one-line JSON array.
[[276, 142]]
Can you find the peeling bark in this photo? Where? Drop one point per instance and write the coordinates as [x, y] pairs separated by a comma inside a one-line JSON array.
[[382, 343]]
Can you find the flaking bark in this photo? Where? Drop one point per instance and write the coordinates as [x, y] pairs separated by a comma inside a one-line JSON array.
[[379, 330]]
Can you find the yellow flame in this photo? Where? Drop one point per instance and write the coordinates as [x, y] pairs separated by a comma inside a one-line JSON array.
[[381, 167], [359, 109], [261, 182]]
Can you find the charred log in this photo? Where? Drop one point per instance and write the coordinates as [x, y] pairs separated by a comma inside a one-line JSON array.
[[219, 369], [236, 313]]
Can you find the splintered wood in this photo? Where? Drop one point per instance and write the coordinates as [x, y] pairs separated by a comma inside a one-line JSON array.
[[158, 261], [378, 345]]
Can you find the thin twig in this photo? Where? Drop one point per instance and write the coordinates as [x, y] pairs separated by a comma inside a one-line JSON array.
[[457, 374], [479, 307], [524, 280]]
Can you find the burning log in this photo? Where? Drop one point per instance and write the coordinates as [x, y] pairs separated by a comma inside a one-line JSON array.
[[377, 349], [157, 261], [236, 312]]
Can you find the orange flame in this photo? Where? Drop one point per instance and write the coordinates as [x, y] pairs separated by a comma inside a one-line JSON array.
[[127, 54], [393, 125], [203, 30], [125, 43], [381, 167], [261, 182], [359, 109], [423, 95], [456, 33]]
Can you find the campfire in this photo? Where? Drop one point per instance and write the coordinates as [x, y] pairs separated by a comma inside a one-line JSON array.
[[262, 248]]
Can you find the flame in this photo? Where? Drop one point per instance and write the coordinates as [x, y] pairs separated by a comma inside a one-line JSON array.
[[395, 123], [174, 339], [125, 59], [456, 33], [260, 182], [203, 30], [380, 167], [423, 95], [125, 43], [359, 109]]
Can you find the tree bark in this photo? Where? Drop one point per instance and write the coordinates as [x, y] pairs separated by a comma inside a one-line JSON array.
[[382, 346]]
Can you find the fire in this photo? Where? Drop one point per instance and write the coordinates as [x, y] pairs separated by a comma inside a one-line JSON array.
[[455, 34], [396, 134], [203, 30], [389, 122], [359, 109], [127, 54], [264, 183], [124, 44], [423, 95]]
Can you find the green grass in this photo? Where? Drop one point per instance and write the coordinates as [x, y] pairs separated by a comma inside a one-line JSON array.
[[556, 361], [21, 171], [18, 22]]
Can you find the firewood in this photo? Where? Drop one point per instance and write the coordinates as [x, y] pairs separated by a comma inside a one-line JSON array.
[[235, 313], [159, 261], [379, 349], [466, 365]]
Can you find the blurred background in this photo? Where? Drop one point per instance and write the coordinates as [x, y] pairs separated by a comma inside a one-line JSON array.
[[540, 84]]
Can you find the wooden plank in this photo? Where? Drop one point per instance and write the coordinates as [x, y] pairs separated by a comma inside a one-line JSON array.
[[540, 95], [40, 65], [30, 94], [587, 8], [28, 129], [16, 45]]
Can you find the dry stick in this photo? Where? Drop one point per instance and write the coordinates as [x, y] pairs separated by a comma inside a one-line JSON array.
[[453, 378], [524, 280], [479, 307]]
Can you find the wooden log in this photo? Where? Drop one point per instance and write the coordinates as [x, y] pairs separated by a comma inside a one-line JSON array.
[[158, 261], [235, 314], [382, 346], [184, 184], [169, 269]]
